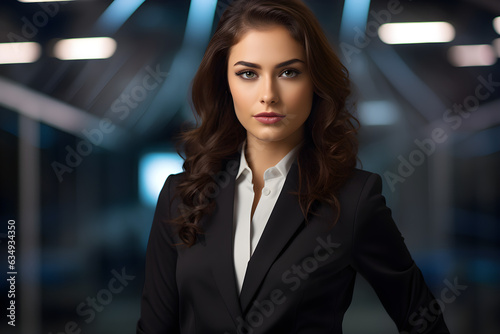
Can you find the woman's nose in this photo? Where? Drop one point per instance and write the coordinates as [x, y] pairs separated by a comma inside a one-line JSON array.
[[269, 93]]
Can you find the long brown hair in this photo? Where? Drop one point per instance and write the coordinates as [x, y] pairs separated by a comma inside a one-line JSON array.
[[328, 154]]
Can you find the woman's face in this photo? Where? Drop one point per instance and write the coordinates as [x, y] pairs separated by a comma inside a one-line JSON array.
[[270, 85]]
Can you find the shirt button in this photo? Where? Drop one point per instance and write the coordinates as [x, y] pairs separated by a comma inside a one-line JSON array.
[[266, 191]]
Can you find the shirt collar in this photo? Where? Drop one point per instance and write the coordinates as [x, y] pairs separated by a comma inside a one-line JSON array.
[[282, 167], [243, 162]]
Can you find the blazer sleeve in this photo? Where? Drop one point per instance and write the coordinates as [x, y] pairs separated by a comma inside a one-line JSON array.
[[160, 300], [380, 255]]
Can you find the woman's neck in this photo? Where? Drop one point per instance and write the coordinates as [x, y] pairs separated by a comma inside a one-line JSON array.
[[262, 155]]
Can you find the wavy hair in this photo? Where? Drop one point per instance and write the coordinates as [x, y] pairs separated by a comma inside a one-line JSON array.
[[328, 155]]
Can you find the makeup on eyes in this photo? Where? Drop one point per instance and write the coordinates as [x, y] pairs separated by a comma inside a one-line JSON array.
[[293, 70]]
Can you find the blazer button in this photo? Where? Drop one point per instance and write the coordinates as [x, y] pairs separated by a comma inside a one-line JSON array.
[[266, 191]]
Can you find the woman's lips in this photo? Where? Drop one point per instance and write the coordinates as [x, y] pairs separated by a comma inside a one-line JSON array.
[[269, 117]]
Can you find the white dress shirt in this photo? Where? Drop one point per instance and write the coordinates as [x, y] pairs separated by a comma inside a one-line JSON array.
[[247, 233]]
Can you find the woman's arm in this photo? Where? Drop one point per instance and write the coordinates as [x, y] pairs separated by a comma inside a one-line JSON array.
[[380, 255], [160, 300]]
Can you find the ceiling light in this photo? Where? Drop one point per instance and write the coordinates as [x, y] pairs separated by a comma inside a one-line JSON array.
[[496, 24], [416, 32], [472, 55], [16, 53], [85, 48]]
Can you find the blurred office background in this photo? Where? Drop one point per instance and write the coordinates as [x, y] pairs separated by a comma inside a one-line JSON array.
[[87, 131]]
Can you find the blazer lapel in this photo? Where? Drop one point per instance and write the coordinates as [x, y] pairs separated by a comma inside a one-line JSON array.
[[219, 242], [285, 219]]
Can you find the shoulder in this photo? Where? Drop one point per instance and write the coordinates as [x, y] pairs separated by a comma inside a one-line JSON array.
[[360, 181], [174, 179], [171, 184], [360, 195], [168, 192]]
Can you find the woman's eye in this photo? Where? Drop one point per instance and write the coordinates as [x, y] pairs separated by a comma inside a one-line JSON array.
[[247, 74], [290, 73]]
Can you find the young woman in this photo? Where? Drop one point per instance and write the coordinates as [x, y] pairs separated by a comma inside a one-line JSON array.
[[269, 224]]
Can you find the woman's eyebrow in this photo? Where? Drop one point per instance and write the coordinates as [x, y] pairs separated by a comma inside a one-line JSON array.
[[253, 65]]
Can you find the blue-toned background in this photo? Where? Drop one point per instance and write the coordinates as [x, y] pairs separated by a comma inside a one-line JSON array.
[[85, 145]]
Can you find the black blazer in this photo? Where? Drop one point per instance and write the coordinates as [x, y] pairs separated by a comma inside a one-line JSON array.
[[300, 277]]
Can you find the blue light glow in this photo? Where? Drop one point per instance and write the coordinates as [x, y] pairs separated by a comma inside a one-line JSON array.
[[199, 22], [372, 113], [116, 14], [355, 14], [154, 168]]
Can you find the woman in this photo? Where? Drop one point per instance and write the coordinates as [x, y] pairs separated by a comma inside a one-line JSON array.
[[267, 227]]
